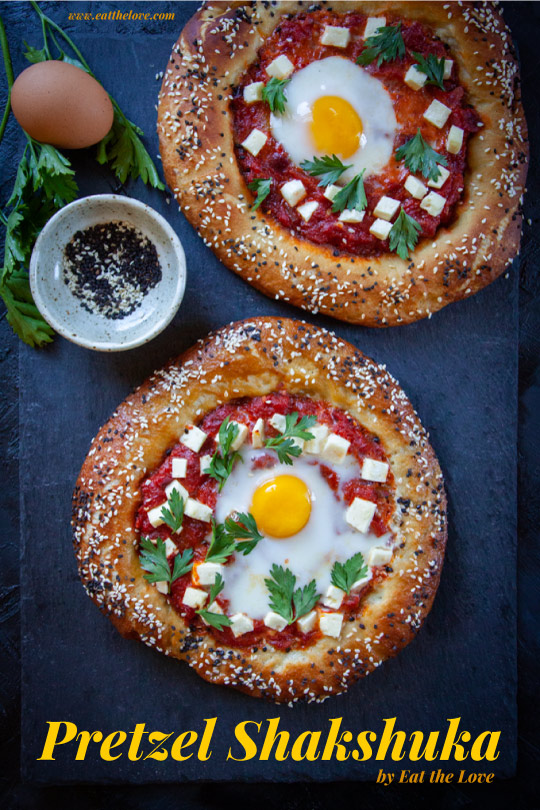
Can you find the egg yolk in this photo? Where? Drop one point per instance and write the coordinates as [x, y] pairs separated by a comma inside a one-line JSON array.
[[281, 506], [336, 127]]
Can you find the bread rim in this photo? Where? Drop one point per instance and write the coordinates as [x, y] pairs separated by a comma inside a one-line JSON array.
[[253, 358]]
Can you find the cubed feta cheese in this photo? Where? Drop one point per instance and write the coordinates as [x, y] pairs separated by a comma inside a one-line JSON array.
[[240, 624], [206, 572], [372, 26], [454, 141], [330, 624], [379, 556], [381, 228], [204, 463], [278, 422], [386, 208], [415, 187], [257, 434], [254, 142], [274, 621], [179, 467], [331, 191], [194, 597], [335, 448], [360, 514], [351, 215], [280, 68], [197, 510], [307, 210], [373, 470], [162, 586], [448, 63], [433, 203], [154, 515], [307, 623], [333, 597], [360, 583], [441, 180], [176, 486], [253, 92], [193, 437], [240, 436], [414, 78], [437, 113], [170, 547], [293, 192], [335, 35], [320, 434]]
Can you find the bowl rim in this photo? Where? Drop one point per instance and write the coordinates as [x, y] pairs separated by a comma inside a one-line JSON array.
[[59, 325]]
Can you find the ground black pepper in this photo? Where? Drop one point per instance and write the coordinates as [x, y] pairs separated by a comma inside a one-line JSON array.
[[110, 268]]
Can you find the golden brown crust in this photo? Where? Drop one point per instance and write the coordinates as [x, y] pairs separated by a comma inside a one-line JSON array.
[[253, 358], [196, 142]]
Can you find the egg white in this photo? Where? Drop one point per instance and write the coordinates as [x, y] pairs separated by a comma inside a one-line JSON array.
[[337, 76]]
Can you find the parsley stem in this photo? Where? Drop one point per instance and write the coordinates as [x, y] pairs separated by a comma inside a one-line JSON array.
[[9, 76], [51, 23]]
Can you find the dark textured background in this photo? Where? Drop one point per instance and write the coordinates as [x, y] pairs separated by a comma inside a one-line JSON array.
[[122, 375]]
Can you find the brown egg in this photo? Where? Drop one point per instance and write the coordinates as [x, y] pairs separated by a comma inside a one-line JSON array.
[[58, 103]]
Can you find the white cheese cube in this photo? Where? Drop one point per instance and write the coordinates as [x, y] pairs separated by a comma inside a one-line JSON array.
[[433, 203], [240, 624], [307, 210], [253, 92], [360, 514], [437, 114], [330, 624], [206, 572], [414, 78], [454, 141], [154, 515], [176, 486], [386, 208], [293, 192], [278, 422], [373, 470], [170, 547], [372, 26], [334, 597], [320, 434], [162, 586], [360, 583], [179, 467], [307, 623], [257, 434], [280, 68], [241, 436], [381, 228], [194, 597], [274, 621], [254, 142], [379, 556], [448, 63], [335, 448], [204, 463], [197, 510], [193, 437], [415, 187], [441, 180], [351, 215], [331, 191], [335, 35]]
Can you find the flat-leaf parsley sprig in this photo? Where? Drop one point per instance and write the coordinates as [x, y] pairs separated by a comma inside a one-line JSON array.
[[284, 444], [261, 187], [223, 459], [153, 560], [352, 196], [327, 169], [217, 620], [288, 602], [404, 235], [344, 575], [274, 94], [224, 537], [432, 67], [419, 156], [173, 512], [385, 45]]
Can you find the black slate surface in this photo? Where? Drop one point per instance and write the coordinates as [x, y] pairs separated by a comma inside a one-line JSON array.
[[460, 371]]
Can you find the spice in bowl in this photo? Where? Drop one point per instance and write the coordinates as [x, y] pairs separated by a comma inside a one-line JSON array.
[[110, 267]]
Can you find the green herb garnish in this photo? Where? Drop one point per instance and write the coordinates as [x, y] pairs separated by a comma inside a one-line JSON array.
[[244, 528], [217, 620], [385, 45], [153, 559], [432, 67], [274, 94], [284, 444], [223, 459], [344, 575], [221, 545], [419, 156], [262, 190], [173, 513], [352, 196], [289, 603], [404, 235], [328, 169]]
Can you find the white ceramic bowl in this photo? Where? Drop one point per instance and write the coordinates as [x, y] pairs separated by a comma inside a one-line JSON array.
[[63, 311]]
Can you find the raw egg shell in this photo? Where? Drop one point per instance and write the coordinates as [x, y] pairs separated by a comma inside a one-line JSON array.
[[60, 104]]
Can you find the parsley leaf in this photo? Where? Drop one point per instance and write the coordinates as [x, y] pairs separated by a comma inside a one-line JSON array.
[[153, 559], [54, 175], [352, 196], [404, 235], [261, 187], [216, 588], [22, 314], [173, 513], [304, 599], [284, 444], [244, 528], [385, 45], [329, 169], [217, 620], [281, 587], [223, 459], [344, 575], [274, 94], [221, 545], [432, 67], [419, 156], [123, 151], [183, 564]]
